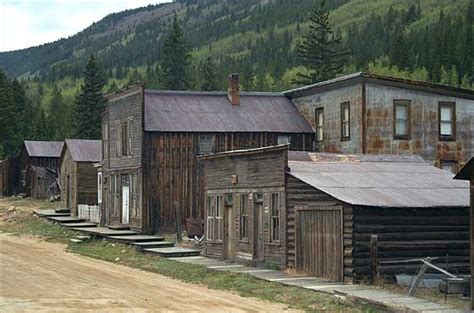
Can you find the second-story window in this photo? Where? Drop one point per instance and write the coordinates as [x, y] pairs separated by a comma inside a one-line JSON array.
[[401, 119], [206, 144], [105, 140], [284, 139], [124, 146], [345, 121], [447, 120], [319, 124], [124, 137]]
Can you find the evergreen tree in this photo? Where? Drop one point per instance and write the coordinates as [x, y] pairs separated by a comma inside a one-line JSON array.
[[207, 73], [58, 114], [24, 112], [7, 117], [90, 103], [41, 129], [320, 50], [175, 59]]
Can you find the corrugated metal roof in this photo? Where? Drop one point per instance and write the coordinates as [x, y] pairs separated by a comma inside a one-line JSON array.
[[45, 149], [83, 150], [381, 181], [172, 111]]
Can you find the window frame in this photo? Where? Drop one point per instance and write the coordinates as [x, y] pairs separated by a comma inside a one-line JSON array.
[[407, 104], [99, 187], [317, 112], [201, 144], [210, 233], [284, 140], [345, 104], [275, 204], [219, 218], [124, 139], [244, 218], [452, 106]]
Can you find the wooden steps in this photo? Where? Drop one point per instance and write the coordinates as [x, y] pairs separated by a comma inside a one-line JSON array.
[[152, 244], [118, 227], [79, 225], [63, 210], [48, 213], [172, 252], [136, 238], [105, 232], [65, 219]]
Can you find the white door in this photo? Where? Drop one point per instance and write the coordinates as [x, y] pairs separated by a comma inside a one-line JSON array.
[[125, 204]]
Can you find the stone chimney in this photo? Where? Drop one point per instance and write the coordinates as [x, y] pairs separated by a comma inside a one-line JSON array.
[[233, 91]]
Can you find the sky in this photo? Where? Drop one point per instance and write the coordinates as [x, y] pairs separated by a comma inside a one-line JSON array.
[[27, 23]]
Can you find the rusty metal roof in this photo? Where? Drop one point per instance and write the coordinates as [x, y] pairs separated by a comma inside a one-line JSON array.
[[44, 149], [83, 150], [379, 180], [189, 111]]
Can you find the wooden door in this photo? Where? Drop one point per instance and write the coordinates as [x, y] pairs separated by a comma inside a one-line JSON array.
[[229, 233], [125, 199], [319, 242], [258, 233]]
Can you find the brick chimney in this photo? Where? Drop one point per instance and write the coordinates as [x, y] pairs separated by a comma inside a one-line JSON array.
[[233, 91]]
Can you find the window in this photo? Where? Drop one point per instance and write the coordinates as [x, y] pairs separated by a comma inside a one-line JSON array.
[[124, 139], [401, 120], [114, 193], [275, 217], [105, 140], [345, 121], [319, 124], [134, 195], [206, 144], [447, 120], [244, 217], [129, 137], [284, 139], [218, 220], [210, 218], [99, 187]]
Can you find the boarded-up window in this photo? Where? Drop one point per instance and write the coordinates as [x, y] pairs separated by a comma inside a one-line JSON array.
[[401, 113], [319, 124], [206, 144], [210, 218], [244, 216], [447, 120], [275, 217], [345, 121]]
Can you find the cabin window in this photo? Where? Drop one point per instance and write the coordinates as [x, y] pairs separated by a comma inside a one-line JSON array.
[[124, 139], [401, 113], [244, 216], [447, 120], [206, 144], [129, 137], [275, 217], [219, 215], [284, 139], [210, 218], [319, 124], [105, 140], [345, 121], [99, 187]]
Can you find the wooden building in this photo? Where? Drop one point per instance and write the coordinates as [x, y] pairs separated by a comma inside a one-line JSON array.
[[316, 212], [9, 175], [39, 167], [371, 114], [467, 173], [152, 140], [78, 176]]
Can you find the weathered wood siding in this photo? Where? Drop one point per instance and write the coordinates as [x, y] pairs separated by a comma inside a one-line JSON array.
[[259, 173], [9, 176], [69, 168], [87, 183], [26, 185], [173, 174]]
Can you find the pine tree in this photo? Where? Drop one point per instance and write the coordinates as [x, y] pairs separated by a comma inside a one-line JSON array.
[[90, 103], [41, 129], [175, 59], [207, 73], [58, 115], [320, 49], [7, 117], [24, 112]]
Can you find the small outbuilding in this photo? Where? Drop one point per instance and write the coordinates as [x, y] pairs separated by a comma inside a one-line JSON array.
[[78, 173], [317, 212]]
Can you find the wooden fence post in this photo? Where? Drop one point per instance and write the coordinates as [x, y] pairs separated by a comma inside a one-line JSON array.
[[373, 248]]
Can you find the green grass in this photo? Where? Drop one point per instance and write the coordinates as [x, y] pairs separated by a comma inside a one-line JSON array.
[[243, 284]]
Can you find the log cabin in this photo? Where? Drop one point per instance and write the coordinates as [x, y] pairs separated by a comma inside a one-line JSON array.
[[39, 167], [317, 212], [151, 141], [78, 176], [364, 113]]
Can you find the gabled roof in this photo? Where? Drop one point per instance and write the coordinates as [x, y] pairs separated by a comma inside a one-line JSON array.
[[360, 77], [44, 149], [83, 150], [189, 111], [467, 171], [379, 181]]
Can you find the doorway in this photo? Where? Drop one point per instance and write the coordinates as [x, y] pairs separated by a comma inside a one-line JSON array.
[[125, 199], [229, 228]]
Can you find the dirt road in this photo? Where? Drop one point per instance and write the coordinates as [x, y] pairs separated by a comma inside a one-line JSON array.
[[41, 276]]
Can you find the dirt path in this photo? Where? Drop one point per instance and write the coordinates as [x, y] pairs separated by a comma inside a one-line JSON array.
[[41, 276]]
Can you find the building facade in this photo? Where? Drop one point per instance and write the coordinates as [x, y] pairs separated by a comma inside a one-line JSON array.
[[370, 114]]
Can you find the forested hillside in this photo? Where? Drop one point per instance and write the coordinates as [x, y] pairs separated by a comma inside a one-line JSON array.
[[429, 40]]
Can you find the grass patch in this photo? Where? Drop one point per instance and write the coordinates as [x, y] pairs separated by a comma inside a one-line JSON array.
[[243, 284]]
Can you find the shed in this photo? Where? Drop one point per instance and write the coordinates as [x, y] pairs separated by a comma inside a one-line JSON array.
[[316, 212], [35, 155], [467, 173], [78, 174]]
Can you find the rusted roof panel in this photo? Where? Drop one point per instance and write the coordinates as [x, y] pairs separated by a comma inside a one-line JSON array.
[[381, 181], [44, 149], [83, 150], [174, 111]]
